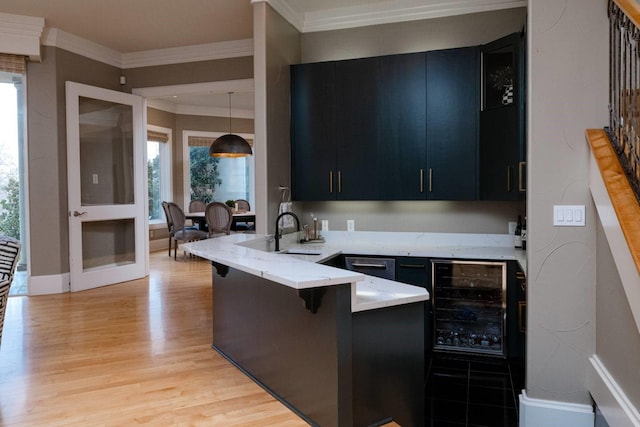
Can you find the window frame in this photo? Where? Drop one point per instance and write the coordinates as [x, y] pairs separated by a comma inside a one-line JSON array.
[[166, 185]]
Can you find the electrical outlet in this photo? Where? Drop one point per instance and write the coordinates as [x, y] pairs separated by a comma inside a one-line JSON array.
[[325, 225], [351, 225], [512, 227]]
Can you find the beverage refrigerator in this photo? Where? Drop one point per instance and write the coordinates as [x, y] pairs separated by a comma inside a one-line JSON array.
[[469, 306]]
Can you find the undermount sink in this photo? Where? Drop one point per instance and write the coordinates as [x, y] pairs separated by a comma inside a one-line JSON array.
[[266, 245], [295, 251]]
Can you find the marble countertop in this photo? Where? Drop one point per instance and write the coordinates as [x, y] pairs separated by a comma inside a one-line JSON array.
[[298, 265]]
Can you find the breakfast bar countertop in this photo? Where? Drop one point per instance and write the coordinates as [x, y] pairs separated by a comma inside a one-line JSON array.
[[299, 265]]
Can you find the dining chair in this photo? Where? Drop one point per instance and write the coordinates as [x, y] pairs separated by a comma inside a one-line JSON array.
[[219, 218], [243, 206], [180, 232], [167, 214], [196, 206], [9, 251]]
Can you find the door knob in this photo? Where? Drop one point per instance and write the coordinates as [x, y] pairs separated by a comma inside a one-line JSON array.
[[76, 213]]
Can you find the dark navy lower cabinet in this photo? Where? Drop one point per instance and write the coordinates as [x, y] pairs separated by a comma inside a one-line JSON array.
[[332, 367]]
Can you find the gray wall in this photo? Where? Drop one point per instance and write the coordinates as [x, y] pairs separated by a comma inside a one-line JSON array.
[[568, 87], [47, 151], [617, 337], [277, 46], [413, 36]]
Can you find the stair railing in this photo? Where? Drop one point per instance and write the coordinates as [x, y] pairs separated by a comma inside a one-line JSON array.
[[624, 85]]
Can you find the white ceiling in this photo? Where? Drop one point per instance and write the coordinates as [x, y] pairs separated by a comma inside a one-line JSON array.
[[128, 26]]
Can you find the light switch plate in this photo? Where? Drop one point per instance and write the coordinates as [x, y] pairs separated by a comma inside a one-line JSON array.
[[351, 225], [568, 216]]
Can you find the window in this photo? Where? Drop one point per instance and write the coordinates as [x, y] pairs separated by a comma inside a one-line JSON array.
[[13, 172], [158, 170], [216, 179]]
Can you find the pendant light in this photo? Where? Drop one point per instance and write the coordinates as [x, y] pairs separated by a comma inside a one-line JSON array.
[[230, 145]]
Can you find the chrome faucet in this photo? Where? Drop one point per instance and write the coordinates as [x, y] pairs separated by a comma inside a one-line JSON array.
[[277, 236]]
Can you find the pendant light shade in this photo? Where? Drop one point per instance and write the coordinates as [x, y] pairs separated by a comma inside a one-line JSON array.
[[230, 145]]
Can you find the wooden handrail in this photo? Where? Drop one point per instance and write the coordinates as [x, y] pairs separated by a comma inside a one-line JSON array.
[[620, 192], [631, 8]]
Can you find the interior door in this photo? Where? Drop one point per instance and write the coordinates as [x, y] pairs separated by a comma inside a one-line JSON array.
[[105, 178]]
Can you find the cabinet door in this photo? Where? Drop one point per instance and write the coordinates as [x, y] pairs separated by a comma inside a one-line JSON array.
[[403, 104], [502, 135], [452, 124], [417, 272], [516, 311], [357, 129], [313, 141]]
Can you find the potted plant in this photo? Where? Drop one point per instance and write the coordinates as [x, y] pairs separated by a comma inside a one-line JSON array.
[[502, 80], [231, 204]]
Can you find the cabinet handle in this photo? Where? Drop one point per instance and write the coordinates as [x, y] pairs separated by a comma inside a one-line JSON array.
[[521, 166], [369, 265], [412, 266], [330, 181], [509, 170], [339, 181], [422, 180], [522, 320], [430, 180]]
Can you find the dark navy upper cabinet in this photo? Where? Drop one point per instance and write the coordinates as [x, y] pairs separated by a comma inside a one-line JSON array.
[[402, 124], [437, 125], [502, 120], [452, 124], [356, 108], [313, 131], [334, 130]]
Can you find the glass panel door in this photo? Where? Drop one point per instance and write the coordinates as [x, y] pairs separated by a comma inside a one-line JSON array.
[[106, 178]]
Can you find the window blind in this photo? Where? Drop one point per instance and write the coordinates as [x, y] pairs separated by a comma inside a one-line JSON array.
[[156, 136], [203, 141], [13, 63]]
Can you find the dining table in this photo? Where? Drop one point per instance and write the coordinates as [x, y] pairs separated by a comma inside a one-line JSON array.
[[238, 217]]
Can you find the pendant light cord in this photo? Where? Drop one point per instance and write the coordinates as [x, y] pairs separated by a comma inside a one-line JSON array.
[[230, 111]]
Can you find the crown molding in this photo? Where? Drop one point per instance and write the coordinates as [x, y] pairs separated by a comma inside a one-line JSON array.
[[193, 110], [287, 11], [384, 12], [202, 52], [61, 39], [20, 35], [225, 86], [241, 85], [177, 55]]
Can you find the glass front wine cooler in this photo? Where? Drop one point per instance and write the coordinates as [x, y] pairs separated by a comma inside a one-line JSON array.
[[469, 306]]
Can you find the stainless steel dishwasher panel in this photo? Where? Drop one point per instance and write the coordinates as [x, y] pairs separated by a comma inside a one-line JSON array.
[[378, 267]]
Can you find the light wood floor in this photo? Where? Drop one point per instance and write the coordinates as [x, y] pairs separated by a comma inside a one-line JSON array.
[[129, 354]]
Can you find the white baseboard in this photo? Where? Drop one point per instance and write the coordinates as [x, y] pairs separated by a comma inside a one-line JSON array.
[[51, 284], [551, 413], [613, 402]]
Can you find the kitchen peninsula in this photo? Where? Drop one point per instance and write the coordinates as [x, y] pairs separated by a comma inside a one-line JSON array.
[[338, 347]]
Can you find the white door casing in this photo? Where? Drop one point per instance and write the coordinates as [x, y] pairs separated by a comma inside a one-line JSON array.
[[106, 182]]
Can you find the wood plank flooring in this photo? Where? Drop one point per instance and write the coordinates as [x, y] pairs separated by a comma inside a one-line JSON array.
[[136, 353]]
